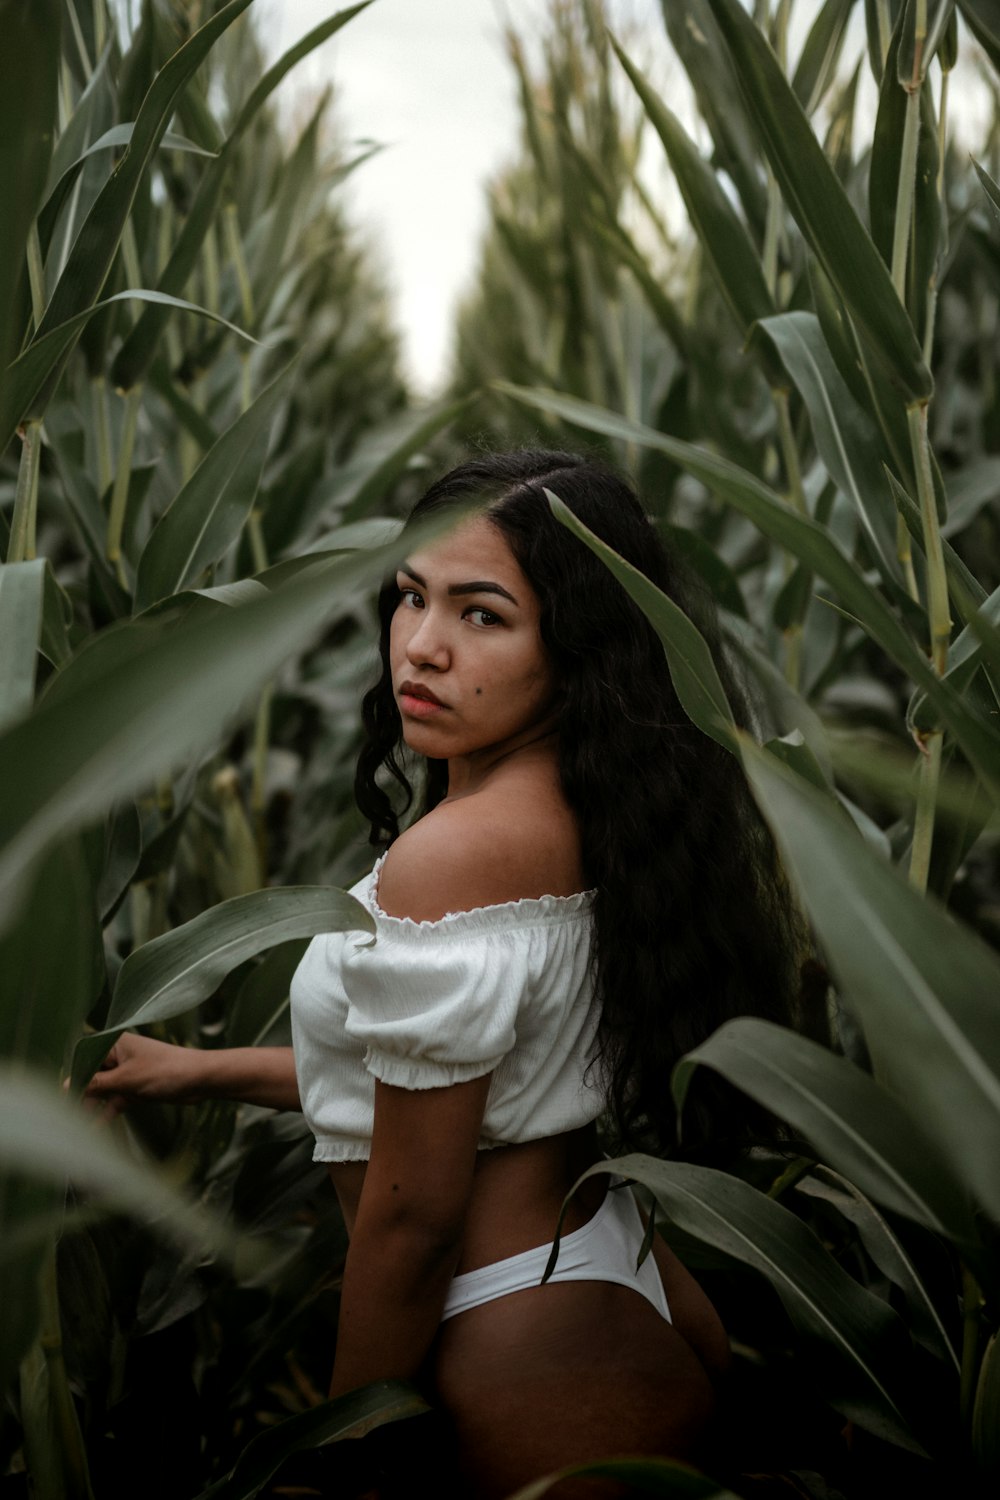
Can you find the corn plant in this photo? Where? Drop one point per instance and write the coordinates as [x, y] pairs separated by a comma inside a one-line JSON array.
[[199, 409], [818, 389]]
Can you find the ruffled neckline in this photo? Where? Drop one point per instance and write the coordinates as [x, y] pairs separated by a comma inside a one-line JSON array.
[[525, 911]]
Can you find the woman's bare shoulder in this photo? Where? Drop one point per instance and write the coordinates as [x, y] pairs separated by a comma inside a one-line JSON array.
[[480, 851]]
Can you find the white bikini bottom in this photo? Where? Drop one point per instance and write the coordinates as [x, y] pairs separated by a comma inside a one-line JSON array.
[[606, 1248]]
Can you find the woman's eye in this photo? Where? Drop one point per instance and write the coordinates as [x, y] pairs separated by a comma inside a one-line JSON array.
[[410, 598], [482, 616]]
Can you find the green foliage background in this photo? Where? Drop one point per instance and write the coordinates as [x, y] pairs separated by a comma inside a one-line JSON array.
[[205, 441]]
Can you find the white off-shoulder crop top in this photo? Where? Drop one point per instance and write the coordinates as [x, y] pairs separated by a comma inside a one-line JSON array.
[[503, 989]]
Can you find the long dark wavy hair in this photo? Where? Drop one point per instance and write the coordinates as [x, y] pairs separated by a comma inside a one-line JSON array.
[[694, 922]]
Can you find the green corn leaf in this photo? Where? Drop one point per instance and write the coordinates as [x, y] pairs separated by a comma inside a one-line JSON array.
[[811, 543], [938, 15], [846, 440], [112, 139], [974, 486], [854, 1123], [140, 345], [889, 1256], [867, 382], [962, 584], [164, 693], [90, 118], [929, 237], [701, 558], [96, 245], [862, 1340], [57, 617], [792, 750], [184, 967], [29, 74], [46, 1137], [986, 1410], [383, 455], [263, 995], [948, 47], [690, 661], [721, 232], [208, 515], [350, 1416], [820, 205], [50, 978], [695, 34], [926, 992], [964, 659], [618, 240], [883, 179], [990, 188], [639, 1476], [887, 145], [32, 372], [175, 972], [817, 65], [22, 590]]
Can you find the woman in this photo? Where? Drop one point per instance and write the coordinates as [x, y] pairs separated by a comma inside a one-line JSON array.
[[588, 894]]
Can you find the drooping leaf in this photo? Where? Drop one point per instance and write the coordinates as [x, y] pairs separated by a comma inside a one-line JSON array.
[[640, 1476], [856, 1125], [177, 971], [45, 1137], [350, 1416], [926, 991], [692, 669], [809, 542], [859, 1340], [28, 375], [112, 139], [185, 966], [164, 693], [888, 1254]]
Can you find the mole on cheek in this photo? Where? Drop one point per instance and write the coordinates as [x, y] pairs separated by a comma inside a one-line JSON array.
[[479, 692]]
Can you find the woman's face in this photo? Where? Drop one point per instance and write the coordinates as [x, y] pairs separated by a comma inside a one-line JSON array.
[[469, 670]]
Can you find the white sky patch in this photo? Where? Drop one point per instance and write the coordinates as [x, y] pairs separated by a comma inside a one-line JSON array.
[[431, 82]]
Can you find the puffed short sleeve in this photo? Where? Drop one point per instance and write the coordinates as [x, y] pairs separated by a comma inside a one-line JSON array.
[[432, 1006]]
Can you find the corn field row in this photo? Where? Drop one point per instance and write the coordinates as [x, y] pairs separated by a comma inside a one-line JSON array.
[[204, 447]]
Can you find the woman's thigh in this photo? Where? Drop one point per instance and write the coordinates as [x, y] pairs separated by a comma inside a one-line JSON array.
[[565, 1374]]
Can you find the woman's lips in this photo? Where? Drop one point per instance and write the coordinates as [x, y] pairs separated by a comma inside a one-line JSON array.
[[419, 702]]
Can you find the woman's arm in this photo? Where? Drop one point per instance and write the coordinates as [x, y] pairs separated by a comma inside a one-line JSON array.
[[408, 1234], [138, 1067]]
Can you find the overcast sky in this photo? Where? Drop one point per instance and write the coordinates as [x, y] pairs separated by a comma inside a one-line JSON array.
[[429, 80]]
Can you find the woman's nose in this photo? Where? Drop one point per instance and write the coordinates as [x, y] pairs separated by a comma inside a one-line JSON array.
[[428, 645]]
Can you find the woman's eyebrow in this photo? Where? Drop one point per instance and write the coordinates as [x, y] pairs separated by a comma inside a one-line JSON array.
[[479, 586]]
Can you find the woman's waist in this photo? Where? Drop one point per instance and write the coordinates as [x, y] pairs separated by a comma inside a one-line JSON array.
[[517, 1194]]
